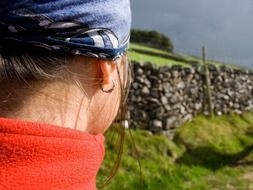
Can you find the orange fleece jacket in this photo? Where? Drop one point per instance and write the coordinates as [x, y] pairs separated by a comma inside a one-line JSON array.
[[36, 156]]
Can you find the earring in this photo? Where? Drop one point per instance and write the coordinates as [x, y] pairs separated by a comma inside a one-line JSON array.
[[110, 90]]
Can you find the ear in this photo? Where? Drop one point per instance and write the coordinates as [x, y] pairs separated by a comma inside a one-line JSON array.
[[107, 68]]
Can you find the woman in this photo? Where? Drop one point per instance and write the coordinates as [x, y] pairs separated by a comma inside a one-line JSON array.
[[63, 76]]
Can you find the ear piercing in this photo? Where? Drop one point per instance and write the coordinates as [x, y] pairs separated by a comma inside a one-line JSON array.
[[110, 90]]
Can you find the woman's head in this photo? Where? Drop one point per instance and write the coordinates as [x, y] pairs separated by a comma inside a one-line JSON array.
[[73, 91], [62, 61]]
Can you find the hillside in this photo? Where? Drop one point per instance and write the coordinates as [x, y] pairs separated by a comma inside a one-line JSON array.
[[142, 53], [206, 154]]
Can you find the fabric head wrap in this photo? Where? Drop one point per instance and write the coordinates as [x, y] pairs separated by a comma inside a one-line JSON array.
[[96, 28]]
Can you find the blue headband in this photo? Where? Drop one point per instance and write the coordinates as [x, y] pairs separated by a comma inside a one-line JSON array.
[[96, 28]]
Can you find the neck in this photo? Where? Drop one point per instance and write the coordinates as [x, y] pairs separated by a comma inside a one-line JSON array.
[[65, 106]]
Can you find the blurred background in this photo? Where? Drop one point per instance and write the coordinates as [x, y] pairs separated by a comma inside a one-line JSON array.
[[190, 106], [224, 26]]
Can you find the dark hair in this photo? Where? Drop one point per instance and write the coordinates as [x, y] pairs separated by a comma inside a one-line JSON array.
[[22, 63]]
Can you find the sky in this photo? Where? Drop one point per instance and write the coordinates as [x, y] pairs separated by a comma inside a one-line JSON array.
[[225, 27]]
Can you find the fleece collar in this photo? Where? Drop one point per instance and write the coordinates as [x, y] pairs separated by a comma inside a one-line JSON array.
[[36, 156]]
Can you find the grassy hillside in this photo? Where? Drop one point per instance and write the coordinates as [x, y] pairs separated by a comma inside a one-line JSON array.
[[206, 154], [134, 56], [143, 53]]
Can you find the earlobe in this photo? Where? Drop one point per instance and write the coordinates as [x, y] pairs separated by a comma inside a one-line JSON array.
[[107, 68]]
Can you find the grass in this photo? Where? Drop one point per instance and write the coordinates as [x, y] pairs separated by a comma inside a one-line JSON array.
[[141, 57], [153, 59], [146, 48], [212, 62], [206, 154]]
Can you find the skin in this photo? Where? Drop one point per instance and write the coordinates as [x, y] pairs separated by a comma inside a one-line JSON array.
[[75, 102]]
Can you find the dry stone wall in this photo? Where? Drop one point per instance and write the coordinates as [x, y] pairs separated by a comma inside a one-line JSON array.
[[161, 99]]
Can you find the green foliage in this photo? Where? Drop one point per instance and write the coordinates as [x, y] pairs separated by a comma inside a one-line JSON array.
[[134, 46], [152, 38], [159, 60], [153, 59], [206, 154]]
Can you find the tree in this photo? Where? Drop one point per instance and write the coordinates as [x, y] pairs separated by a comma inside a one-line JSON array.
[[152, 39]]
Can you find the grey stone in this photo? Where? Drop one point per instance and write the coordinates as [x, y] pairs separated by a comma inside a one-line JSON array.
[[171, 122], [175, 74], [153, 100], [168, 93], [219, 113], [157, 123], [168, 108], [164, 100], [156, 126], [147, 82], [157, 94], [181, 85], [187, 118], [174, 99], [154, 93], [140, 79], [135, 85], [145, 91], [139, 71], [197, 106]]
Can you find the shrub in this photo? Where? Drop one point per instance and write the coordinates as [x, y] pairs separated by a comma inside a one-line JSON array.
[[152, 39]]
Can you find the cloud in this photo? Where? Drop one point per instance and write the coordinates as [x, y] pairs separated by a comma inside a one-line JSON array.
[[224, 26]]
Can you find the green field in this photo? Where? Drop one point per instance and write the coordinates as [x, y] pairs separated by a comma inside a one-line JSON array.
[[206, 154], [154, 59], [142, 47], [145, 57]]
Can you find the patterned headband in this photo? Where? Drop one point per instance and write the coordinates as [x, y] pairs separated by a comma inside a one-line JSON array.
[[94, 28]]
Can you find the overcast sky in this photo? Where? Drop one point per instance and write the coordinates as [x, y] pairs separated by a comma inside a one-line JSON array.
[[224, 26]]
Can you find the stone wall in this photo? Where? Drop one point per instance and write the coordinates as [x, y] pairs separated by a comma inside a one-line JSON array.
[[163, 98]]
